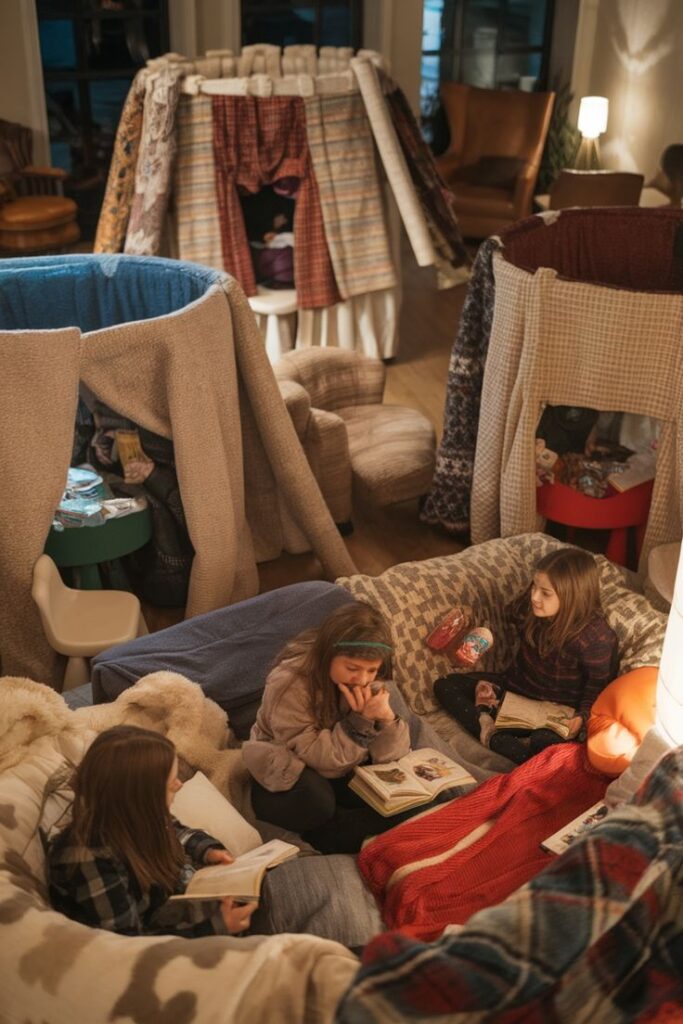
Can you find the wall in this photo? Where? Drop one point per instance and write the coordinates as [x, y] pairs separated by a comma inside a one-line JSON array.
[[394, 29], [21, 78], [635, 60]]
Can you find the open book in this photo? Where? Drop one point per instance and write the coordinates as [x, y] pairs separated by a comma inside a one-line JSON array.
[[517, 712], [241, 879], [409, 782], [565, 836]]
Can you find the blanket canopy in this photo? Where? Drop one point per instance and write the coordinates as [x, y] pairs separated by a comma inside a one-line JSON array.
[[581, 307], [173, 347], [196, 136]]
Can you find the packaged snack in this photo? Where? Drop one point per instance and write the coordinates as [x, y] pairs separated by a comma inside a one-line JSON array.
[[129, 446], [450, 630], [475, 643]]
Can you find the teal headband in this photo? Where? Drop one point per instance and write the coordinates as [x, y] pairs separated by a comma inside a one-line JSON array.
[[363, 643]]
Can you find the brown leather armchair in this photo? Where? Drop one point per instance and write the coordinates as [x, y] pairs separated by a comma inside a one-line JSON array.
[[492, 162], [35, 216]]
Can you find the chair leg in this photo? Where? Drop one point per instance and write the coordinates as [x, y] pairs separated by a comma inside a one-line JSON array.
[[142, 626], [77, 673], [617, 546]]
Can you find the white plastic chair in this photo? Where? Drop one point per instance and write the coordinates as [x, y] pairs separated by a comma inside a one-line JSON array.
[[81, 623], [275, 312]]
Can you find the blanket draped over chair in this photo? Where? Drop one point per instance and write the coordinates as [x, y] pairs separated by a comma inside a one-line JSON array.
[[596, 936], [173, 347], [587, 312]]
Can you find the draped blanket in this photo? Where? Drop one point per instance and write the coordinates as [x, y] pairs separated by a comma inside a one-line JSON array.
[[256, 143], [195, 371], [595, 937], [476, 850]]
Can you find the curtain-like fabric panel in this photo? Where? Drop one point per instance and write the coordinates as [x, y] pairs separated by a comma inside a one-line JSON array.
[[258, 142], [342, 151], [118, 195], [198, 227]]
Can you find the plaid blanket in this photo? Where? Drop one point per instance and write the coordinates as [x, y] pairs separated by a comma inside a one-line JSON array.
[[596, 937]]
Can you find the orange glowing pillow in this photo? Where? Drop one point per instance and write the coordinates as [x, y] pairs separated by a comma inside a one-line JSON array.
[[619, 719]]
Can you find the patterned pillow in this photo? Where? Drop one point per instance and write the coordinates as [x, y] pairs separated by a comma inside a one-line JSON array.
[[491, 577]]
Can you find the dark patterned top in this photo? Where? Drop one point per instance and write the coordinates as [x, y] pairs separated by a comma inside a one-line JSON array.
[[575, 675], [96, 888]]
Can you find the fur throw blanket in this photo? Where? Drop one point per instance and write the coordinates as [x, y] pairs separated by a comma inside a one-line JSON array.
[[162, 701]]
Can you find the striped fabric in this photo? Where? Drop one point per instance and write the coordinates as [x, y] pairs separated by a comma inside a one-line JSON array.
[[258, 142], [595, 938], [342, 153], [198, 228], [118, 195]]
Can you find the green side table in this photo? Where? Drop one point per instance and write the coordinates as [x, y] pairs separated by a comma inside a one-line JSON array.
[[84, 547]]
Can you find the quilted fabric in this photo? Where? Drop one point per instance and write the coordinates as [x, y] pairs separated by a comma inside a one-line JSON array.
[[490, 577]]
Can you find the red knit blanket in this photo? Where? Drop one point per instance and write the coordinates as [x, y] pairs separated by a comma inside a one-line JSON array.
[[422, 884]]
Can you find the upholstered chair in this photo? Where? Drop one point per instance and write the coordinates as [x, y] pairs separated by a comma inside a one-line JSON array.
[[492, 162], [35, 217], [595, 188], [391, 448]]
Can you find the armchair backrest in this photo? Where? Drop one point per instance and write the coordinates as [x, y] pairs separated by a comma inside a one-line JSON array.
[[595, 188], [334, 378], [494, 122], [16, 147]]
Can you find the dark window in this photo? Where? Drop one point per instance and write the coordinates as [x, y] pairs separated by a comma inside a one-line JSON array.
[[91, 51], [320, 22], [496, 44]]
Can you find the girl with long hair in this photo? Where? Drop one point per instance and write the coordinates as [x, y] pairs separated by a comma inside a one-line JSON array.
[[324, 712], [567, 655], [123, 854]]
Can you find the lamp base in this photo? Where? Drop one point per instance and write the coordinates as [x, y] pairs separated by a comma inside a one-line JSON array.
[[588, 155]]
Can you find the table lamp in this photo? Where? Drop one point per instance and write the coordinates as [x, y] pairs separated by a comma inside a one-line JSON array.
[[592, 123]]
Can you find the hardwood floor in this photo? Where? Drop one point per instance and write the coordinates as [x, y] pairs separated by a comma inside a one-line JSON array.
[[417, 378]]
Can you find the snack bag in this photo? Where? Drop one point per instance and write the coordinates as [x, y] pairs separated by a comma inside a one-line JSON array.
[[128, 446], [450, 630], [474, 644]]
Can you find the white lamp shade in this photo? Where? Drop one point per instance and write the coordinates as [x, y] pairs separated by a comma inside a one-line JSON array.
[[593, 116], [669, 715]]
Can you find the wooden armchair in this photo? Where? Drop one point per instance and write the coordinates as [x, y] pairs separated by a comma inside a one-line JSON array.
[[495, 150], [35, 216]]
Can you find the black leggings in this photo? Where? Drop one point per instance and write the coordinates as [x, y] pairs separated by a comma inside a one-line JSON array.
[[455, 693], [325, 812]]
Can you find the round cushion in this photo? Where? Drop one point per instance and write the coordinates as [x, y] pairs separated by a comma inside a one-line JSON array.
[[37, 213], [619, 719], [392, 450]]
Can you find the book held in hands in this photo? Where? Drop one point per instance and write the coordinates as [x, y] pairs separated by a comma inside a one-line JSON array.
[[411, 781], [517, 712], [242, 879], [559, 841]]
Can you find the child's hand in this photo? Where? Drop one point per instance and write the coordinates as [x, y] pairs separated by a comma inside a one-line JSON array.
[[373, 706], [574, 726], [137, 470], [236, 916], [218, 857]]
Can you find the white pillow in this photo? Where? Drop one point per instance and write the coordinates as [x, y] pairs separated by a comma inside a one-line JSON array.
[[200, 805]]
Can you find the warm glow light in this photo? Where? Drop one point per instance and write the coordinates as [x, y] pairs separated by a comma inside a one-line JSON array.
[[593, 116], [669, 716]]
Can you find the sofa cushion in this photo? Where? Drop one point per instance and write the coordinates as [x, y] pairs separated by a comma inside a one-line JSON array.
[[228, 651], [619, 720], [491, 577]]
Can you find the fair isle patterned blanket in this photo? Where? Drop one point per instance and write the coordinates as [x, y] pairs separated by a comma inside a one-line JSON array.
[[596, 938]]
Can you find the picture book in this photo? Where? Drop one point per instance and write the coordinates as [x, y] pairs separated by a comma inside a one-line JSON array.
[[242, 879], [411, 781], [559, 841], [517, 712]]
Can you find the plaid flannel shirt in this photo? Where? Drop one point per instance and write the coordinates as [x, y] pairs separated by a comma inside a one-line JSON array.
[[96, 888]]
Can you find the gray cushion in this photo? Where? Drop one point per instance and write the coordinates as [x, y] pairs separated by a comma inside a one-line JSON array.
[[228, 651]]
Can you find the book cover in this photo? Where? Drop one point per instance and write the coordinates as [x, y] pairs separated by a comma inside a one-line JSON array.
[[241, 879], [409, 782], [517, 712], [561, 840]]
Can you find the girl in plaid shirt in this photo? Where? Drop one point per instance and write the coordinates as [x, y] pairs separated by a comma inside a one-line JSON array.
[[567, 654], [123, 854]]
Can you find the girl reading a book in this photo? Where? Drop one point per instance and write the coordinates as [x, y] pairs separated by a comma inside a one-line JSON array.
[[123, 854], [567, 655], [323, 713]]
